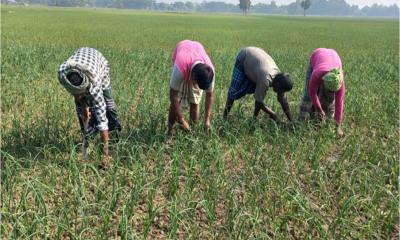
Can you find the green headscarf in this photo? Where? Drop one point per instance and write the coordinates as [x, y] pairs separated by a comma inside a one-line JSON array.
[[75, 90], [333, 79]]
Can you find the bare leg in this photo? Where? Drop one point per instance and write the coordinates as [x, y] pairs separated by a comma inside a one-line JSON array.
[[194, 113], [85, 146], [85, 120], [306, 108], [228, 107], [257, 108], [171, 119]]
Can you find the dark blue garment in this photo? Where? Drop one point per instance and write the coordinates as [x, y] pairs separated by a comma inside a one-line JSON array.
[[240, 84]]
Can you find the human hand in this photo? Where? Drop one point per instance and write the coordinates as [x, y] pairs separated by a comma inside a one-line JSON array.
[[274, 117], [185, 125], [105, 158], [293, 124], [321, 116], [339, 131]]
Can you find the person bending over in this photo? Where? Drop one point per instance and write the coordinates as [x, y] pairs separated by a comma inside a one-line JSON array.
[[324, 89], [85, 75], [192, 73], [255, 72]]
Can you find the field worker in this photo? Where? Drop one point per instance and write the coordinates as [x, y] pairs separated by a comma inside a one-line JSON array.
[[324, 89], [192, 73], [85, 75], [254, 72]]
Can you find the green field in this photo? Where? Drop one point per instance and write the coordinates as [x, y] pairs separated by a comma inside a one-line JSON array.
[[247, 179]]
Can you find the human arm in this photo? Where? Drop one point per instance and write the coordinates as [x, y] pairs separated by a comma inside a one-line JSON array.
[[99, 110], [339, 107], [209, 105], [84, 110], [314, 83], [176, 109], [285, 106], [260, 106], [83, 113], [105, 139], [339, 103], [259, 95]]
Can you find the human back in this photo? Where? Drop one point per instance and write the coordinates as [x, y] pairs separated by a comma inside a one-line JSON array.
[[258, 64], [325, 59], [188, 52]]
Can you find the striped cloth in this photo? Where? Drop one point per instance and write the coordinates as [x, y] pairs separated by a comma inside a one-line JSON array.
[[240, 84]]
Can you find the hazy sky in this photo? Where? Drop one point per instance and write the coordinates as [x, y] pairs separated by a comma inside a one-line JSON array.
[[370, 2]]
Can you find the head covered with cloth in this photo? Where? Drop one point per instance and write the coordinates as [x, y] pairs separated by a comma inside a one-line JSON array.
[[333, 79], [76, 78]]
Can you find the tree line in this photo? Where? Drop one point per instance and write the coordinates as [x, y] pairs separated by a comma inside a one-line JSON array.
[[299, 7]]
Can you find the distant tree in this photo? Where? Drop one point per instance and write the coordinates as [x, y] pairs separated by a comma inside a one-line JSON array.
[[161, 6], [217, 7], [273, 5], [244, 5], [116, 3], [271, 8], [379, 10], [137, 4], [189, 6], [179, 6], [296, 7], [305, 4], [293, 8]]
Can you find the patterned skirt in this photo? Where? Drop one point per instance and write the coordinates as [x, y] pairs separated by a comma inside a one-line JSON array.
[[240, 84]]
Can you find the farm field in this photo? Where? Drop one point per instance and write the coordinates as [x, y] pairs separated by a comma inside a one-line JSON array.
[[247, 179]]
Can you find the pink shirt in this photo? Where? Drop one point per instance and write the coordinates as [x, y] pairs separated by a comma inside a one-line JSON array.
[[186, 54], [322, 61]]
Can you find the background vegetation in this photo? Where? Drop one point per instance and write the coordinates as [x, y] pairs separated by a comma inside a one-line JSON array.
[[317, 7]]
